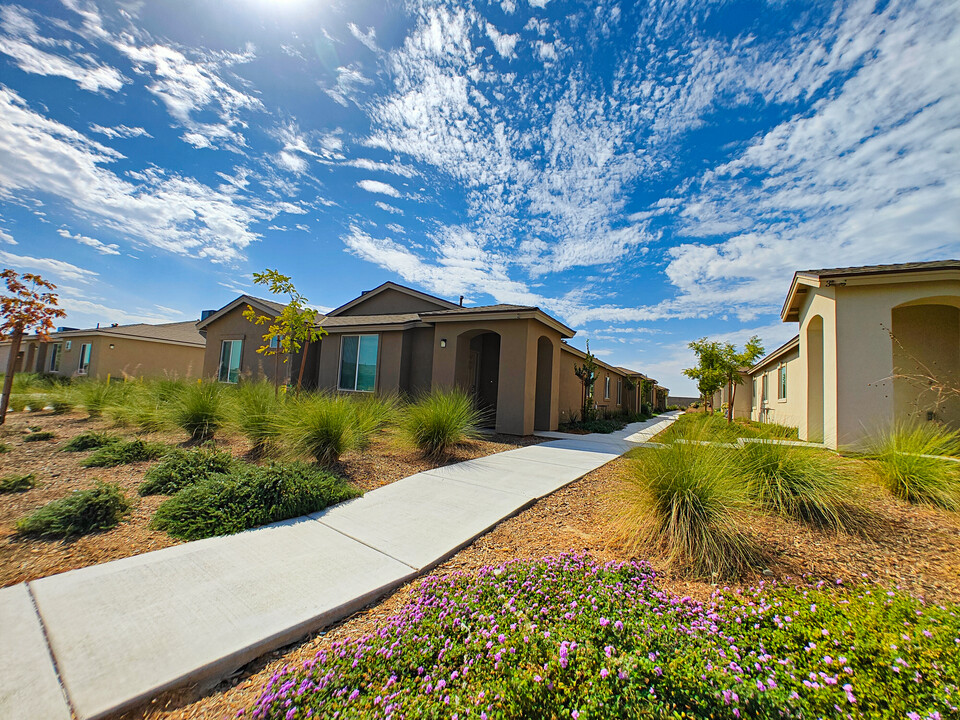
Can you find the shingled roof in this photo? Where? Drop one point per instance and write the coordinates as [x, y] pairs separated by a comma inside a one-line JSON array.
[[883, 269], [184, 333]]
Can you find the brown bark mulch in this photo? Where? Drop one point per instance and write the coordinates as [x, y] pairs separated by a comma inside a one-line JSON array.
[[915, 548], [59, 473]]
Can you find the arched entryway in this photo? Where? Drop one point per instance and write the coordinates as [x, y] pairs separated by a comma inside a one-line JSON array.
[[543, 401], [925, 340], [815, 379], [478, 370]]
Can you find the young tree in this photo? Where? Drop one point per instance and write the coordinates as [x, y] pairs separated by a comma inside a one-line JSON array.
[[719, 364], [735, 360], [588, 376], [28, 306], [294, 328]]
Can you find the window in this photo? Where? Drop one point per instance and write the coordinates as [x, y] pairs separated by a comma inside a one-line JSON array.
[[230, 351], [69, 345], [275, 342], [619, 391], [55, 352], [782, 377], [753, 402], [765, 389], [358, 362], [606, 387], [84, 358]]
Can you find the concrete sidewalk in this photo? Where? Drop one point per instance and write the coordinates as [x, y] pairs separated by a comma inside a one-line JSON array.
[[106, 637]]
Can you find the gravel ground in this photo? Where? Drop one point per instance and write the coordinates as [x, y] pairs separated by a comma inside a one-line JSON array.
[[915, 548], [59, 473]]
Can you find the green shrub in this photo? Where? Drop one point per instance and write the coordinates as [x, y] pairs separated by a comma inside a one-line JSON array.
[[38, 436], [17, 483], [250, 497], [181, 468], [440, 420], [373, 412], [800, 483], [4, 448], [607, 425], [258, 414], [124, 452], [201, 409], [90, 440], [94, 396], [321, 426], [568, 637], [685, 500], [81, 512], [908, 461], [18, 402]]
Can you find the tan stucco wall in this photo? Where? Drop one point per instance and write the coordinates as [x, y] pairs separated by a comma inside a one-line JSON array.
[[927, 345], [391, 302], [773, 409]]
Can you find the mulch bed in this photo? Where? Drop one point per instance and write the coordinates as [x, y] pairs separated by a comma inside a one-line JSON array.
[[59, 473], [915, 548]]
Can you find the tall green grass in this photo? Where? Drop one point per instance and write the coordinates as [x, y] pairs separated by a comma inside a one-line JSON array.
[[322, 426], [94, 396], [438, 421], [373, 413], [909, 462], [201, 409], [800, 483], [685, 500], [257, 414]]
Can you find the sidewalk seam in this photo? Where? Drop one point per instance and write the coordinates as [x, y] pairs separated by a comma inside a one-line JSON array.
[[361, 542], [46, 642]]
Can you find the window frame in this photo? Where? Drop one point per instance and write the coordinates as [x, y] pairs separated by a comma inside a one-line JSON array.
[[782, 381], [56, 353], [356, 367], [765, 388], [755, 387], [606, 387], [220, 377], [86, 349], [619, 391]]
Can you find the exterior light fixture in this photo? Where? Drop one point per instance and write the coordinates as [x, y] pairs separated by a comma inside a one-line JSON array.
[[112, 346], [443, 342]]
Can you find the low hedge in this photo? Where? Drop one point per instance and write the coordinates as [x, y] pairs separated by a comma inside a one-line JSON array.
[[182, 468], [125, 452], [84, 511], [569, 638], [249, 497]]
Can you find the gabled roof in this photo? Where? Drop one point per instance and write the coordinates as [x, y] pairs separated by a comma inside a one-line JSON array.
[[355, 320], [803, 279], [480, 308], [391, 286], [623, 371], [267, 306], [776, 354], [478, 312]]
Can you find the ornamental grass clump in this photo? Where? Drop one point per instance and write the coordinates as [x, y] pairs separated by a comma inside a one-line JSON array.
[[89, 440], [257, 411], [437, 422], [321, 426], [181, 468], [800, 483], [200, 409], [124, 453], [18, 483], [910, 462], [82, 512], [685, 500], [94, 396], [249, 497], [566, 637], [374, 412]]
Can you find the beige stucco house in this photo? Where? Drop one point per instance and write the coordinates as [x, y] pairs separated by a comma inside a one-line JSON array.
[[512, 358], [138, 350], [876, 345]]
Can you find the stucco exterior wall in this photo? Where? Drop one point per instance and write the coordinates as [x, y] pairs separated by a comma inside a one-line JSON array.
[[389, 302], [772, 408], [571, 391]]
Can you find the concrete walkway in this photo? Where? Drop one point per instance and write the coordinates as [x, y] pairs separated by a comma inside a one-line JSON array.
[[104, 638]]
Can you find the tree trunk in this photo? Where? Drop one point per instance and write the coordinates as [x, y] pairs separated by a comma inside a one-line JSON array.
[[733, 397], [729, 400], [303, 363], [11, 367]]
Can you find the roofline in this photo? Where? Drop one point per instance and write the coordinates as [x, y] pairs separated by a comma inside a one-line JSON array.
[[388, 285], [534, 313], [619, 370], [780, 351], [105, 332], [372, 327], [243, 299]]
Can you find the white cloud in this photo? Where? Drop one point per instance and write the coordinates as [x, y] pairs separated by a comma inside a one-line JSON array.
[[51, 266], [368, 38], [7, 237], [349, 82], [374, 166], [120, 131], [547, 51], [100, 247], [375, 186], [538, 3], [503, 42], [388, 208]]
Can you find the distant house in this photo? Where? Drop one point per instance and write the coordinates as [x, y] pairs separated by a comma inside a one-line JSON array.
[[877, 344], [139, 350], [511, 358]]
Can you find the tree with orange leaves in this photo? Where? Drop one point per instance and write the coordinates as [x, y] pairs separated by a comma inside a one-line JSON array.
[[28, 306]]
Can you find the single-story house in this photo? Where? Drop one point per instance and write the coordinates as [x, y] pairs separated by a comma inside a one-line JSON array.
[[138, 350], [511, 358], [877, 345]]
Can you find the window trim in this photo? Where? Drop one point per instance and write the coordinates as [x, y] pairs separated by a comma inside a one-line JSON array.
[[356, 371], [81, 368], [220, 378]]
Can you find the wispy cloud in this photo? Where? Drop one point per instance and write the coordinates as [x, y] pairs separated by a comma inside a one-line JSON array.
[[120, 131], [51, 266], [368, 38], [99, 246], [375, 186]]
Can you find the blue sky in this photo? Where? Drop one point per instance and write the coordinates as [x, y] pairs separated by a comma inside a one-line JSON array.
[[648, 172]]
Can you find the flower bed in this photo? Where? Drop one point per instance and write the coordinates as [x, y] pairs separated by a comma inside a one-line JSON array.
[[565, 637]]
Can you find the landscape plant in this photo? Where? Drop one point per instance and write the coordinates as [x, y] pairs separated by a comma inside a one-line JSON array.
[[567, 637], [180, 468], [719, 364], [374, 412], [39, 435], [124, 452], [685, 500], [438, 421], [257, 412], [587, 375], [909, 462], [147, 404], [89, 440], [321, 425], [249, 497], [94, 396], [200, 409], [17, 483], [82, 511]]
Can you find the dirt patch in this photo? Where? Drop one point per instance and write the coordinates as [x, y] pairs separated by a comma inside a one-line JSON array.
[[915, 548], [59, 473]]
